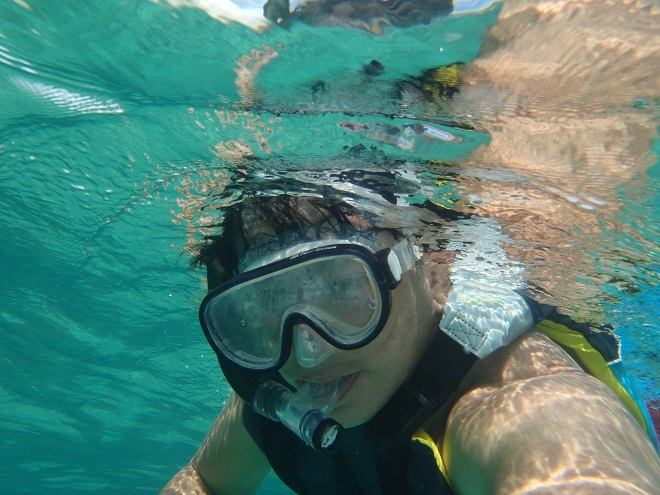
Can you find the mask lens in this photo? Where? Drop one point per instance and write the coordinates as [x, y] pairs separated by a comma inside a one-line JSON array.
[[242, 329], [338, 294], [341, 287]]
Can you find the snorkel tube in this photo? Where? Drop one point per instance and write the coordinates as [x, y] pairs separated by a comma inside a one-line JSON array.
[[298, 412], [305, 412]]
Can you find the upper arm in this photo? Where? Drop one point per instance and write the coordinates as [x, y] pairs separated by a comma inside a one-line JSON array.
[[529, 417], [229, 461]]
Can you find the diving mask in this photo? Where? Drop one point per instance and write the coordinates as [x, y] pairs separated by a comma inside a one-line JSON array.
[[339, 289]]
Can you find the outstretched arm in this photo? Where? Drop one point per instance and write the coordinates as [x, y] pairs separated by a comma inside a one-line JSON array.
[[187, 482], [227, 463], [532, 422]]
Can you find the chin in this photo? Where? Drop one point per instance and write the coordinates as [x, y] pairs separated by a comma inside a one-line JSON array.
[[357, 409], [350, 418]]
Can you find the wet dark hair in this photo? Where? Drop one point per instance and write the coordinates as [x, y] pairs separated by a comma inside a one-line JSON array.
[[270, 223]]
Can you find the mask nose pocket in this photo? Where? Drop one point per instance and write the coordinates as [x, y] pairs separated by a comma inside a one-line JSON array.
[[311, 349]]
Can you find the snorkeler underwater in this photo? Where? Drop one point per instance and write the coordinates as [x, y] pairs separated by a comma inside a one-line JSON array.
[[326, 247], [364, 359]]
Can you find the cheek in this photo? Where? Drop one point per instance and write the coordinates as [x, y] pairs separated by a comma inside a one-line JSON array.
[[368, 395], [408, 330], [389, 359]]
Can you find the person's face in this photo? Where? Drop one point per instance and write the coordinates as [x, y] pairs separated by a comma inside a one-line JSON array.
[[373, 373]]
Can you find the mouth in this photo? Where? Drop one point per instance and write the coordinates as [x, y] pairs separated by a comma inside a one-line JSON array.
[[330, 393], [347, 385]]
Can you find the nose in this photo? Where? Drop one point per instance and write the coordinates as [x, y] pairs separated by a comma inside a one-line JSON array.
[[311, 349]]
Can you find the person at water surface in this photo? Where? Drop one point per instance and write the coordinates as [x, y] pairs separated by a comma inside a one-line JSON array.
[[418, 385]]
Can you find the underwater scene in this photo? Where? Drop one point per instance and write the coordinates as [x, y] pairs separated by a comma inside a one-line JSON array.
[[126, 126]]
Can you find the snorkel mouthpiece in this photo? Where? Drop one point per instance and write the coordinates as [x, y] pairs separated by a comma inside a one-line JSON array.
[[302, 413]]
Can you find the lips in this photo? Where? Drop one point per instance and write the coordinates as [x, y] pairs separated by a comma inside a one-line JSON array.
[[326, 394], [347, 385], [316, 380]]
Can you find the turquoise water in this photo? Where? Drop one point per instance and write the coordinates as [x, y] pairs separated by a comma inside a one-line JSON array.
[[120, 120]]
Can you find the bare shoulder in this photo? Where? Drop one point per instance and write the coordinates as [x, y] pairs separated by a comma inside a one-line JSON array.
[[229, 461], [528, 419], [531, 355]]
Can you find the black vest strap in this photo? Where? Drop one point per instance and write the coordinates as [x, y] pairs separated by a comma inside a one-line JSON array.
[[358, 469], [442, 368]]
